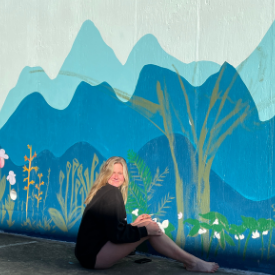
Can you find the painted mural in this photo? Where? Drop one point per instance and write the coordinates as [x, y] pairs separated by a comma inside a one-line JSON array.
[[187, 131]]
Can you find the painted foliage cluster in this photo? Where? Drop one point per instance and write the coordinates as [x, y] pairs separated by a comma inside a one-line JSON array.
[[197, 152]]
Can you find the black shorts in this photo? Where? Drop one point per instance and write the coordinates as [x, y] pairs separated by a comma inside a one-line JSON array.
[[88, 262], [88, 259]]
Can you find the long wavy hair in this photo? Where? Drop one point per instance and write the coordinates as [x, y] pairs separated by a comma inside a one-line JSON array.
[[104, 175]]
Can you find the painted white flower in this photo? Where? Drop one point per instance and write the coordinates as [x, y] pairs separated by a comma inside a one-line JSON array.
[[135, 212], [265, 232], [155, 219], [179, 215], [11, 178], [3, 154], [216, 221], [202, 231], [217, 235], [13, 194], [239, 237], [163, 225], [255, 234]]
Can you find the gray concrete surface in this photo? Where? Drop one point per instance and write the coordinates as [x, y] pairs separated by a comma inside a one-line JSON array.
[[22, 255]]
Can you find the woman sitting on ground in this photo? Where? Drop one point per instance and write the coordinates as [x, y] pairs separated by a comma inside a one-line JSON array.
[[104, 237]]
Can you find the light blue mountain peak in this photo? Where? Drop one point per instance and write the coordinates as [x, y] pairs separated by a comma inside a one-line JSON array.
[[93, 61], [258, 74], [148, 51]]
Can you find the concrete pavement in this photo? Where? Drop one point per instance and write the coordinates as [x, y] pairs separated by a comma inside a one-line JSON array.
[[23, 255]]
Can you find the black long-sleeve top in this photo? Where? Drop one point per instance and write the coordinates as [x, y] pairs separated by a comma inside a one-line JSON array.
[[104, 219]]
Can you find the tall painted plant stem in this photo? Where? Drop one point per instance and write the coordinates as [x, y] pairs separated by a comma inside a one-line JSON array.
[[246, 243]]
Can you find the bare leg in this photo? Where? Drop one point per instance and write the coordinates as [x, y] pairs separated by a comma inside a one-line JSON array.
[[167, 247], [111, 253]]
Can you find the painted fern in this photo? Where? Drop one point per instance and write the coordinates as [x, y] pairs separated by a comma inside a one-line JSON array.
[[141, 186]]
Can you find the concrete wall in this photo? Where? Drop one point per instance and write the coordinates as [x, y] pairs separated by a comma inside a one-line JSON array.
[[183, 90]]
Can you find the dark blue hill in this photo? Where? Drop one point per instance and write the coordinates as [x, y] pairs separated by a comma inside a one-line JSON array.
[[95, 115], [223, 198], [245, 158]]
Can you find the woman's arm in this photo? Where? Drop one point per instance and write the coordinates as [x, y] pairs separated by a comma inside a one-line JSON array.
[[140, 219], [114, 217]]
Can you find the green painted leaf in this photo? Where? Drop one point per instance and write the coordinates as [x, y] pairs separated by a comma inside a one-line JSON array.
[[222, 219], [222, 240], [212, 216], [191, 221], [194, 231], [250, 223], [264, 224], [236, 229], [229, 240], [217, 227], [169, 229], [2, 187], [58, 219], [209, 216], [205, 225]]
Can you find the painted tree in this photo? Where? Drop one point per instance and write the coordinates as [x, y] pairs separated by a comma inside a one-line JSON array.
[[162, 108], [207, 139], [211, 135]]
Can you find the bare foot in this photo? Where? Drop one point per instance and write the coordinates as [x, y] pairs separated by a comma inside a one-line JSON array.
[[201, 266]]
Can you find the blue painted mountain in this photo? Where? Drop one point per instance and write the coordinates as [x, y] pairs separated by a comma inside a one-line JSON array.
[[94, 62], [242, 159], [95, 115], [223, 198], [257, 72]]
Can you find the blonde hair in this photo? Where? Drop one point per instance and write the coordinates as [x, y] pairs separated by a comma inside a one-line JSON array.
[[104, 175]]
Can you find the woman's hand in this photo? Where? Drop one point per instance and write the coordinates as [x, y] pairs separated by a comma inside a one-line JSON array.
[[141, 218], [153, 229]]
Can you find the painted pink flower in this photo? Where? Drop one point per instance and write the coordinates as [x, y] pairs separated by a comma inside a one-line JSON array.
[[3, 156]]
